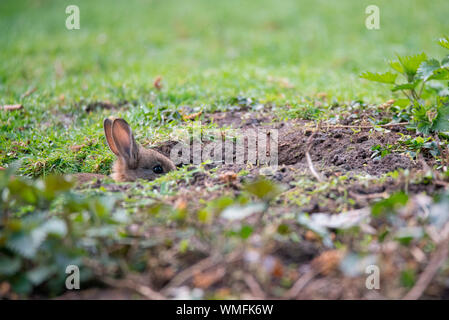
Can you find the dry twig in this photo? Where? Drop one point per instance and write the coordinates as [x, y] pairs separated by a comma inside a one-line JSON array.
[[338, 126], [309, 159], [300, 284], [145, 291], [254, 286], [437, 260], [201, 266]]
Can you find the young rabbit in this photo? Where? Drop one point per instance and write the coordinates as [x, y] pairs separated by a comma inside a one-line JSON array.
[[133, 161]]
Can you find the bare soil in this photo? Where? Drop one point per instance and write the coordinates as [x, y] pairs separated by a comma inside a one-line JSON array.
[[335, 152]]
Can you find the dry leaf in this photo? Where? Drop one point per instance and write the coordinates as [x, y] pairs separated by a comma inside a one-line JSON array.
[[76, 148], [321, 95], [228, 177], [5, 288], [328, 261], [181, 204], [158, 83], [12, 107], [204, 280], [28, 92], [387, 104], [278, 270], [311, 236], [192, 116]]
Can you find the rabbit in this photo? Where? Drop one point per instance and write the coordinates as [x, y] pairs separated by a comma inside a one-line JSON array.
[[133, 161]]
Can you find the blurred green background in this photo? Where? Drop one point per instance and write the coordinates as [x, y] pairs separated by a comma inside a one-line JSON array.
[[207, 52]]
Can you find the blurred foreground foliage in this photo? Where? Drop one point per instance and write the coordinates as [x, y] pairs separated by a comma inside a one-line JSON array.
[[44, 227]]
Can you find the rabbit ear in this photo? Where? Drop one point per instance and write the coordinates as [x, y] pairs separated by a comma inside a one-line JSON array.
[[107, 125], [124, 141]]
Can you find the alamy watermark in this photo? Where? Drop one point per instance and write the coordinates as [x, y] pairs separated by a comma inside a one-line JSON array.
[[73, 20], [372, 21], [245, 146], [73, 279], [373, 280]]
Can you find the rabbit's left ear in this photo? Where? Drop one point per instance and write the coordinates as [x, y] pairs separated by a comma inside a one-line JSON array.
[[124, 141], [107, 125]]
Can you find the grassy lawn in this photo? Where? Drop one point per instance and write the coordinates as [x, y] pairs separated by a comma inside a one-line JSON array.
[[206, 53], [287, 62]]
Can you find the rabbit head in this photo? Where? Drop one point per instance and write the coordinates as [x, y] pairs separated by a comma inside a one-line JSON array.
[[133, 161]]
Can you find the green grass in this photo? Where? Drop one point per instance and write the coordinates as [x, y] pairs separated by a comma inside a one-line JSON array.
[[207, 53], [211, 55]]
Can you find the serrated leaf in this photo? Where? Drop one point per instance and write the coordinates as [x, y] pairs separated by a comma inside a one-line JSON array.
[[444, 42], [440, 74], [441, 122], [445, 62], [396, 65], [424, 127], [426, 69], [387, 77], [405, 86], [412, 63]]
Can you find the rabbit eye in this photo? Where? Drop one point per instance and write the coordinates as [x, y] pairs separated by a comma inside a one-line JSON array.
[[158, 169]]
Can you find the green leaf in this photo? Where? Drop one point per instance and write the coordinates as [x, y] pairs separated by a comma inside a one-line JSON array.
[[389, 205], [21, 284], [25, 244], [426, 69], [204, 215], [387, 77], [56, 183], [408, 278], [424, 127], [263, 189], [445, 62], [40, 274], [402, 102], [444, 42], [237, 212], [411, 64], [323, 232], [245, 231], [440, 74], [55, 226], [405, 86], [441, 122], [396, 65], [9, 266]]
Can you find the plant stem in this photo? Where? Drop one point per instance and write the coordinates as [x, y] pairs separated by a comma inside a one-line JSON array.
[[422, 87], [405, 93]]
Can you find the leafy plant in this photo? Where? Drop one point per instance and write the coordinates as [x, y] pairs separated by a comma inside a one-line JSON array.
[[416, 71], [417, 145], [44, 227]]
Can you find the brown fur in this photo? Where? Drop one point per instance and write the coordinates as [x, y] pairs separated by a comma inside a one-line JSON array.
[[147, 159], [133, 161]]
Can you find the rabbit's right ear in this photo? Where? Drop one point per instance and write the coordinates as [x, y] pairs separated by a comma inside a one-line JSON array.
[[125, 143], [107, 125]]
